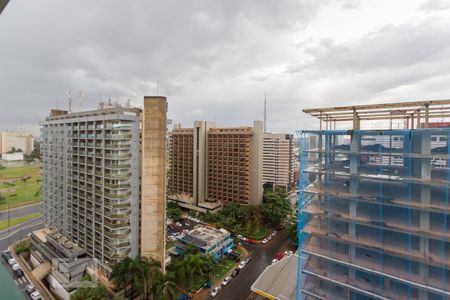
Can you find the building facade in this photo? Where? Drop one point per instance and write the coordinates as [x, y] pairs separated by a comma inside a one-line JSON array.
[[278, 160], [100, 188], [208, 240], [375, 228], [211, 166], [17, 140]]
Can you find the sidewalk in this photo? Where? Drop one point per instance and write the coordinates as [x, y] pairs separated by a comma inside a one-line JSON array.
[[45, 293]]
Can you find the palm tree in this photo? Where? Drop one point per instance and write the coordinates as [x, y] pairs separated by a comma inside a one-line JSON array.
[[120, 274], [148, 268], [164, 288], [197, 265], [182, 268], [209, 265]]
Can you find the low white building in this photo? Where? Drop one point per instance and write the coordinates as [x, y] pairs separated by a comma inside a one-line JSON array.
[[17, 156]]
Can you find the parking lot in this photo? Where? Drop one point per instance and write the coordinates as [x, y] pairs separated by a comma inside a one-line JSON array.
[[176, 229], [24, 289]]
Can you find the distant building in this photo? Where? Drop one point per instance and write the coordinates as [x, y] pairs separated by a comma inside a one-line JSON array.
[[10, 140], [278, 160], [208, 240], [16, 156], [211, 166]]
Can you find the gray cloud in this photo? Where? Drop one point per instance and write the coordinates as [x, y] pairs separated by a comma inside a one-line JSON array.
[[213, 60]]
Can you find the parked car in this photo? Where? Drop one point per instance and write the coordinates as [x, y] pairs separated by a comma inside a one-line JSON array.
[[6, 255], [35, 295], [240, 236], [274, 260], [251, 241], [30, 288], [187, 224], [12, 261], [287, 253], [226, 280], [242, 264], [235, 272], [179, 224], [248, 259], [264, 241], [279, 255], [18, 273], [15, 267], [215, 291]]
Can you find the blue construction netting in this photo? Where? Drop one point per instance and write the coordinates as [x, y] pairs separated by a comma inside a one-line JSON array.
[[373, 214]]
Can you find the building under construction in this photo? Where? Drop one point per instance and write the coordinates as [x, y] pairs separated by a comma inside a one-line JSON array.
[[374, 204]]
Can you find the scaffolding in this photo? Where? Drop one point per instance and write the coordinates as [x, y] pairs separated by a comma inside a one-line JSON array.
[[374, 205]]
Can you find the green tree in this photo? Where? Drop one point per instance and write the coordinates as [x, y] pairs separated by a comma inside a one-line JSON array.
[[148, 269], [174, 213], [164, 287], [120, 274], [97, 293], [275, 206], [292, 229]]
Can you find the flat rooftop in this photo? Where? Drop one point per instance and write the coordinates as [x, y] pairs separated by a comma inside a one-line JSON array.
[[279, 280], [61, 114], [204, 236], [414, 112], [56, 239]]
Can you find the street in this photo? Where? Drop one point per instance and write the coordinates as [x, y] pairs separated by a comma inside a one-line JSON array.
[[20, 211], [239, 287], [18, 232]]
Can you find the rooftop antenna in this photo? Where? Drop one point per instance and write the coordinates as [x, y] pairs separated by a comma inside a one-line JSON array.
[[265, 112], [80, 99], [69, 97], [128, 103], [109, 102]]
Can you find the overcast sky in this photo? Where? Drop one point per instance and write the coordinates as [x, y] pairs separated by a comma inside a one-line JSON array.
[[214, 60]]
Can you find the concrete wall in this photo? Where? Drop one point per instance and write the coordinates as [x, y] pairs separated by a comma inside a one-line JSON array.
[[256, 169], [153, 187]]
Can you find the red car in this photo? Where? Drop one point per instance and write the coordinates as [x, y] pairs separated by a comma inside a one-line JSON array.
[[279, 255], [250, 241]]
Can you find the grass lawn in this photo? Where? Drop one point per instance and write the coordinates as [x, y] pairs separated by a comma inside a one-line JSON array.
[[16, 191], [19, 172], [221, 269], [256, 235], [15, 221], [169, 245]]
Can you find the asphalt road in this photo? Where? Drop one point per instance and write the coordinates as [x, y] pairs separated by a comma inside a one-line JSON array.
[[19, 212], [239, 287], [7, 237], [13, 288]]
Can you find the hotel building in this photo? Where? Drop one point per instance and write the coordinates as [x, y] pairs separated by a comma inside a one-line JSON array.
[[211, 166]]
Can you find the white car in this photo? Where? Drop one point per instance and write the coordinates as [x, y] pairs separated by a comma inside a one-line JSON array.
[[287, 253], [35, 295], [274, 260], [226, 280], [179, 224], [15, 267], [30, 288], [264, 241], [242, 264], [12, 261], [215, 291], [240, 236]]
